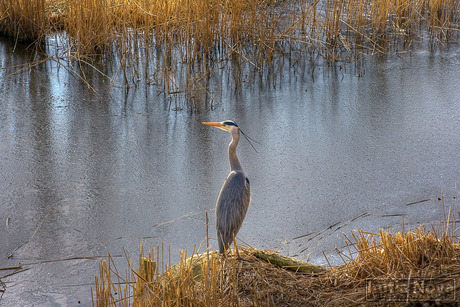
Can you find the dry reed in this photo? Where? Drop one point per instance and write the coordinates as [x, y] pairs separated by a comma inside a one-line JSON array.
[[24, 20], [209, 279], [206, 29], [181, 41]]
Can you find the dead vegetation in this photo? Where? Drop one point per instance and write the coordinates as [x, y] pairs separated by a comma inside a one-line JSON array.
[[207, 28], [182, 41], [421, 257], [181, 44], [24, 20]]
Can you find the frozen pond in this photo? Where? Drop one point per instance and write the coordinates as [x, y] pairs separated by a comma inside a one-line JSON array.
[[85, 173]]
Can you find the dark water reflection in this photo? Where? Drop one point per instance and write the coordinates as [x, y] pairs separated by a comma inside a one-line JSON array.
[[86, 173]]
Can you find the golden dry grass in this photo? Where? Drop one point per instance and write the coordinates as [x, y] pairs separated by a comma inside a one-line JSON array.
[[209, 279], [179, 43], [24, 20], [205, 27]]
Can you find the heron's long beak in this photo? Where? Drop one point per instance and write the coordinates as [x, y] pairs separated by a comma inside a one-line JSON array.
[[217, 125]]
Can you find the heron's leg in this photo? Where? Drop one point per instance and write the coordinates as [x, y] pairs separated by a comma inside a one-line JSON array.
[[236, 247]]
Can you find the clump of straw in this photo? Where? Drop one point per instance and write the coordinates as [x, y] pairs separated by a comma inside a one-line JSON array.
[[210, 279], [399, 254]]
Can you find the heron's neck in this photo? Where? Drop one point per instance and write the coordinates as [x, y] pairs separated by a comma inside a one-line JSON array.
[[233, 159]]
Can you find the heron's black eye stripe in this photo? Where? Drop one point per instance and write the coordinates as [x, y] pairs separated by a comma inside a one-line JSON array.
[[230, 123]]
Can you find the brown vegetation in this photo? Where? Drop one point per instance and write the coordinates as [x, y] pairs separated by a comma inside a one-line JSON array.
[[259, 29], [180, 42], [24, 20], [209, 279]]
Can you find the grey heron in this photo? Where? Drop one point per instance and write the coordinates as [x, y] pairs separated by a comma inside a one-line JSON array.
[[235, 195]]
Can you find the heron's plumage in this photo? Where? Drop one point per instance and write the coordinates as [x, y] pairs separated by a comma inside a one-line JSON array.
[[235, 196], [231, 208]]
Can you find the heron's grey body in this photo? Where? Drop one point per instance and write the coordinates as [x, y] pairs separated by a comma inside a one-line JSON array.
[[234, 196], [232, 204]]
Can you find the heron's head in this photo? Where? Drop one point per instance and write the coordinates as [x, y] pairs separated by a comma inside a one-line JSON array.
[[232, 127], [226, 125]]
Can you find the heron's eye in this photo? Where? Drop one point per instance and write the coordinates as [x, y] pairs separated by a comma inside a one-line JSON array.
[[230, 123]]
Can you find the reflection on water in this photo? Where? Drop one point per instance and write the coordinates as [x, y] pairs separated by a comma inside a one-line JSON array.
[[85, 173]]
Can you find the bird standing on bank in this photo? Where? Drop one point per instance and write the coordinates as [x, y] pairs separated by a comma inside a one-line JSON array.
[[235, 195]]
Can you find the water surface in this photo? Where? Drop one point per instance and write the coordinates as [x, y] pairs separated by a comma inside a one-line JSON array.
[[85, 173]]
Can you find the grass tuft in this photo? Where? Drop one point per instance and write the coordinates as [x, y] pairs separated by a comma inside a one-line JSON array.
[[210, 279]]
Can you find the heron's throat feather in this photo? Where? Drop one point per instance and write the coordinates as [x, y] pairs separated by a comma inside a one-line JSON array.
[[232, 158]]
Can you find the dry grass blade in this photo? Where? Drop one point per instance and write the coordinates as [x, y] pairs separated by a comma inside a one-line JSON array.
[[11, 268]]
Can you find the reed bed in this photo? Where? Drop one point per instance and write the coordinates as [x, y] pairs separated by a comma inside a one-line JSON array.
[[182, 42], [211, 28], [24, 20], [209, 279]]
